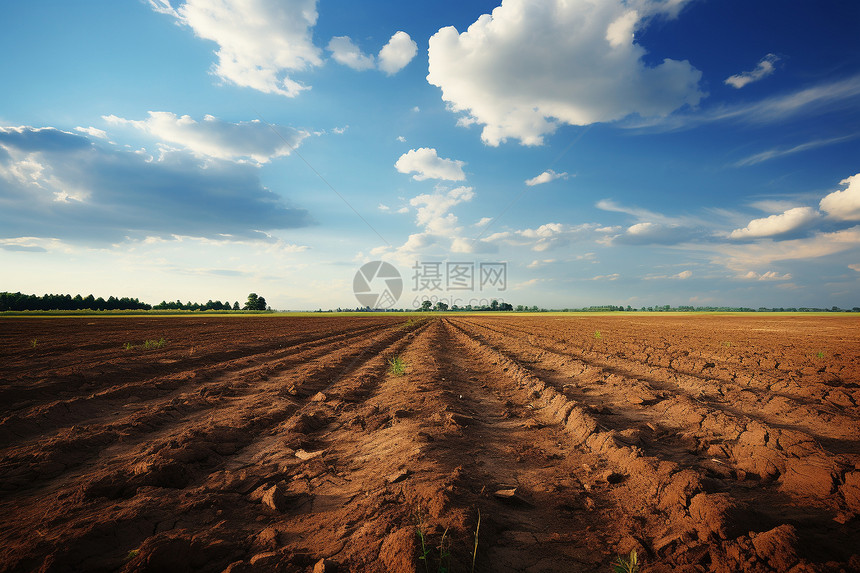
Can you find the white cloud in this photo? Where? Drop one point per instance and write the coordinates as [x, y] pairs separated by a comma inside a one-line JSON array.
[[398, 52], [92, 132], [401, 139], [426, 164], [383, 207], [483, 221], [259, 42], [535, 264], [764, 68], [533, 65], [246, 140], [545, 177], [774, 225], [854, 267], [393, 57], [844, 205], [438, 227], [612, 277], [433, 209], [346, 53], [684, 275], [768, 276]]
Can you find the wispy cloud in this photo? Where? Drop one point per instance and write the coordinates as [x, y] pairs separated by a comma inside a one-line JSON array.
[[764, 68], [819, 99], [782, 152]]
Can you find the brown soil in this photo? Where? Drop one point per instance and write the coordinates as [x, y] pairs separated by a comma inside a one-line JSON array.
[[706, 443]]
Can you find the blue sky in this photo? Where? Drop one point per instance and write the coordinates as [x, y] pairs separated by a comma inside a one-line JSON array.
[[639, 152]]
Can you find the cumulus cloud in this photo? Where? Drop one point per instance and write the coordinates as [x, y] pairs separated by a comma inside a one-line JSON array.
[[346, 53], [438, 226], [533, 65], [398, 52], [61, 185], [212, 137], [545, 177], [775, 225], [259, 43], [426, 164], [764, 68], [393, 57], [844, 205], [433, 210]]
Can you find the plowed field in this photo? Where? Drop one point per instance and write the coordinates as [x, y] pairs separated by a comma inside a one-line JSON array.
[[705, 443]]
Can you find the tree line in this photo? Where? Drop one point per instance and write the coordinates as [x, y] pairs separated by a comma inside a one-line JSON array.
[[18, 302], [255, 302]]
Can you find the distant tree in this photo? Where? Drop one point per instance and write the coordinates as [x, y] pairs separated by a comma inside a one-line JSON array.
[[255, 302], [425, 306], [236, 305], [441, 306]]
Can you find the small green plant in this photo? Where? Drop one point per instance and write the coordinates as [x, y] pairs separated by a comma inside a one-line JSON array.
[[150, 344], [396, 366], [629, 565], [597, 335], [34, 342], [820, 353], [127, 346], [132, 554], [727, 344], [419, 527], [444, 553], [443, 562]]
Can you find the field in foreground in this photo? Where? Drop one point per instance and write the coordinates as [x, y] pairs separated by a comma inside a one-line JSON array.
[[269, 444]]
